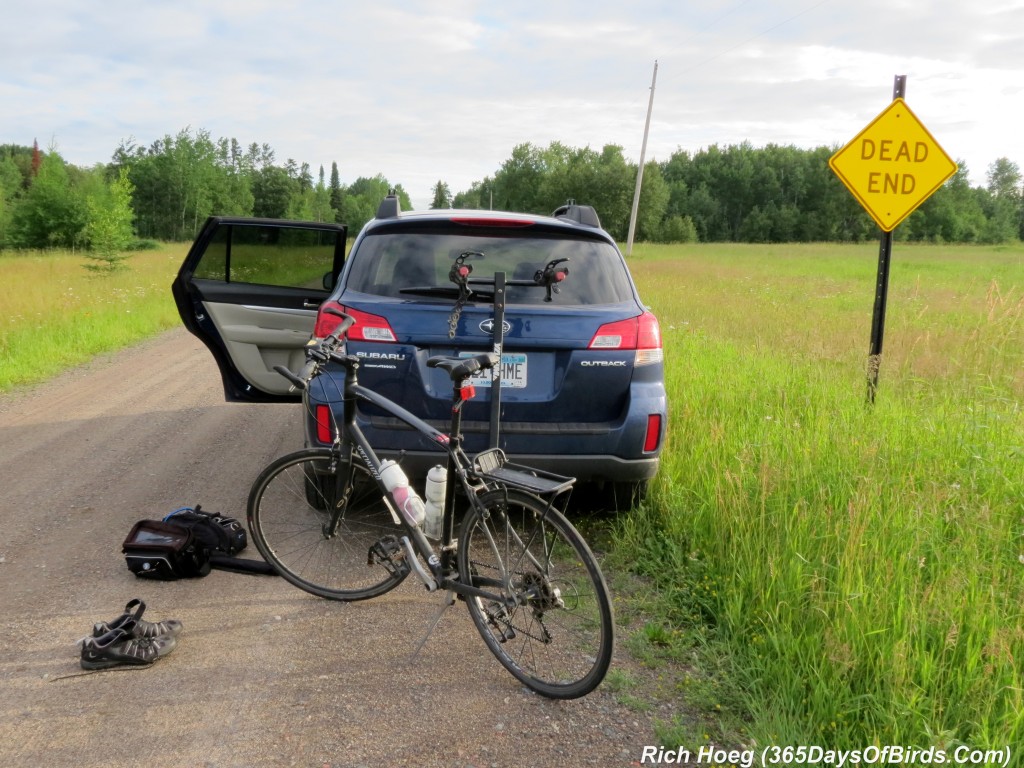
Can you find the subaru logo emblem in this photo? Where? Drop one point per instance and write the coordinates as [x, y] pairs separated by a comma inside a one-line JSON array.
[[487, 326]]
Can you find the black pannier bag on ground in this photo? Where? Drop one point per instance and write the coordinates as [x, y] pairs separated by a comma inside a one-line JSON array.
[[222, 535], [188, 543], [154, 549]]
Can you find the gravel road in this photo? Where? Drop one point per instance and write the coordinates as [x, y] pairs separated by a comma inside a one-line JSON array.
[[263, 674]]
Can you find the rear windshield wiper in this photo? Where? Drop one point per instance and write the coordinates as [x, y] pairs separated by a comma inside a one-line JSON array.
[[446, 292]]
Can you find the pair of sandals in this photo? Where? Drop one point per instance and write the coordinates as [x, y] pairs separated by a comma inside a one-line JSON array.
[[129, 639]]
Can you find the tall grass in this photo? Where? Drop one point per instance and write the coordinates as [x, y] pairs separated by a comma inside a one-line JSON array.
[[862, 568], [57, 314]]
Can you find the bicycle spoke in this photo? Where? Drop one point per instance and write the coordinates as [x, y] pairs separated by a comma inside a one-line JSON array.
[[290, 508], [553, 629]]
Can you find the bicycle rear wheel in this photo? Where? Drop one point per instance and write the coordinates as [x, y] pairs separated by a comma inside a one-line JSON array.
[[291, 509], [552, 628]]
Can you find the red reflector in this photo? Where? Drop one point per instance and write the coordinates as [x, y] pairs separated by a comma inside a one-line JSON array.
[[468, 392], [324, 433], [653, 433]]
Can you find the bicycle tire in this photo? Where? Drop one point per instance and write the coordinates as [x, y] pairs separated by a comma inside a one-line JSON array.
[[555, 631], [290, 504]]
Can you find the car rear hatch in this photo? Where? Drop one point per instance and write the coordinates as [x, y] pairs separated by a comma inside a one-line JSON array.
[[567, 361]]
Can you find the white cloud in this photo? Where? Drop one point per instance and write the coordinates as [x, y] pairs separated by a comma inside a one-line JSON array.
[[422, 93]]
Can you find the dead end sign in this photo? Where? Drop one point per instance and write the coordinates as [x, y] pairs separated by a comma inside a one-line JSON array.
[[893, 165]]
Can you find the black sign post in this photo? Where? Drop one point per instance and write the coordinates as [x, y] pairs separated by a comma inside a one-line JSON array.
[[891, 167], [882, 284]]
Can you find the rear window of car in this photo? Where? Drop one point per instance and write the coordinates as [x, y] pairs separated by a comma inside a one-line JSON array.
[[400, 264]]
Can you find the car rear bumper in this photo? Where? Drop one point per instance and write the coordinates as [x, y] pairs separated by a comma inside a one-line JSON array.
[[591, 452], [569, 452], [585, 468]]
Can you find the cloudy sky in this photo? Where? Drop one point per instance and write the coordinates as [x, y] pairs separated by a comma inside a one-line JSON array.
[[429, 91]]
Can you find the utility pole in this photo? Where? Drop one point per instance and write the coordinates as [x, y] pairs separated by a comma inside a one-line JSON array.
[[640, 170]]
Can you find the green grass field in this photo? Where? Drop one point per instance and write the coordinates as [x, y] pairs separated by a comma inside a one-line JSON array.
[[56, 314], [837, 574], [858, 572]]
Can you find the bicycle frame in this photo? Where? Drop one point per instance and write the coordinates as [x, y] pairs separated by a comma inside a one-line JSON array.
[[352, 441], [515, 559]]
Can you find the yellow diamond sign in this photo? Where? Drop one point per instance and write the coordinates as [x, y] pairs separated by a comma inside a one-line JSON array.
[[893, 165]]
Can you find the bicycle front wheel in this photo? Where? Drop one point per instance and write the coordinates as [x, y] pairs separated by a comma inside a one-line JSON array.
[[295, 520], [550, 623]]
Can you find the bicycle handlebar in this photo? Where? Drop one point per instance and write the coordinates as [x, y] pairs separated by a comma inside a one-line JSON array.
[[347, 321], [296, 381]]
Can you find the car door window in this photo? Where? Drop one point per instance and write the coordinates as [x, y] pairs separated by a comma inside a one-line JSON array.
[[271, 256]]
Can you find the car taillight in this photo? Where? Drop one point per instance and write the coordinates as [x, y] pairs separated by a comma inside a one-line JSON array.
[[324, 433], [641, 333], [653, 436], [367, 327]]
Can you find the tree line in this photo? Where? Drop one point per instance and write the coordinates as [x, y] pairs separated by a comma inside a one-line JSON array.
[[164, 191], [740, 193]]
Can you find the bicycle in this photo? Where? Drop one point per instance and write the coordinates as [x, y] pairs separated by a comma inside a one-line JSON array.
[[332, 521]]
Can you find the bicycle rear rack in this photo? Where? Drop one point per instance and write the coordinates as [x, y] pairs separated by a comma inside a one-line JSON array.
[[493, 465]]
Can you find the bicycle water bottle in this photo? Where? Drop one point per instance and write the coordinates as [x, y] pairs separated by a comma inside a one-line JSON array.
[[410, 506], [437, 483]]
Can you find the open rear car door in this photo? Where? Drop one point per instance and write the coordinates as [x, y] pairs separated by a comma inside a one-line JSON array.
[[250, 289]]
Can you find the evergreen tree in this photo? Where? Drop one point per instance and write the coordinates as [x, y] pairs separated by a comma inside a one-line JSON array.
[[320, 201], [109, 227], [337, 194], [442, 196]]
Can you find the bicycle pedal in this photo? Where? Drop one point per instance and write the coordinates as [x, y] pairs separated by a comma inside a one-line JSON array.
[[383, 551]]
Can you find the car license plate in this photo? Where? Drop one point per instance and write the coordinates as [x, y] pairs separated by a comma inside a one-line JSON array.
[[513, 372]]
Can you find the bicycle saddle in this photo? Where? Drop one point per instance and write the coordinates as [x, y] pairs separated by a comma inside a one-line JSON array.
[[460, 368]]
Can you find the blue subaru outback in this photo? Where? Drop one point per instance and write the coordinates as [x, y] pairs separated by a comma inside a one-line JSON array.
[[580, 390]]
